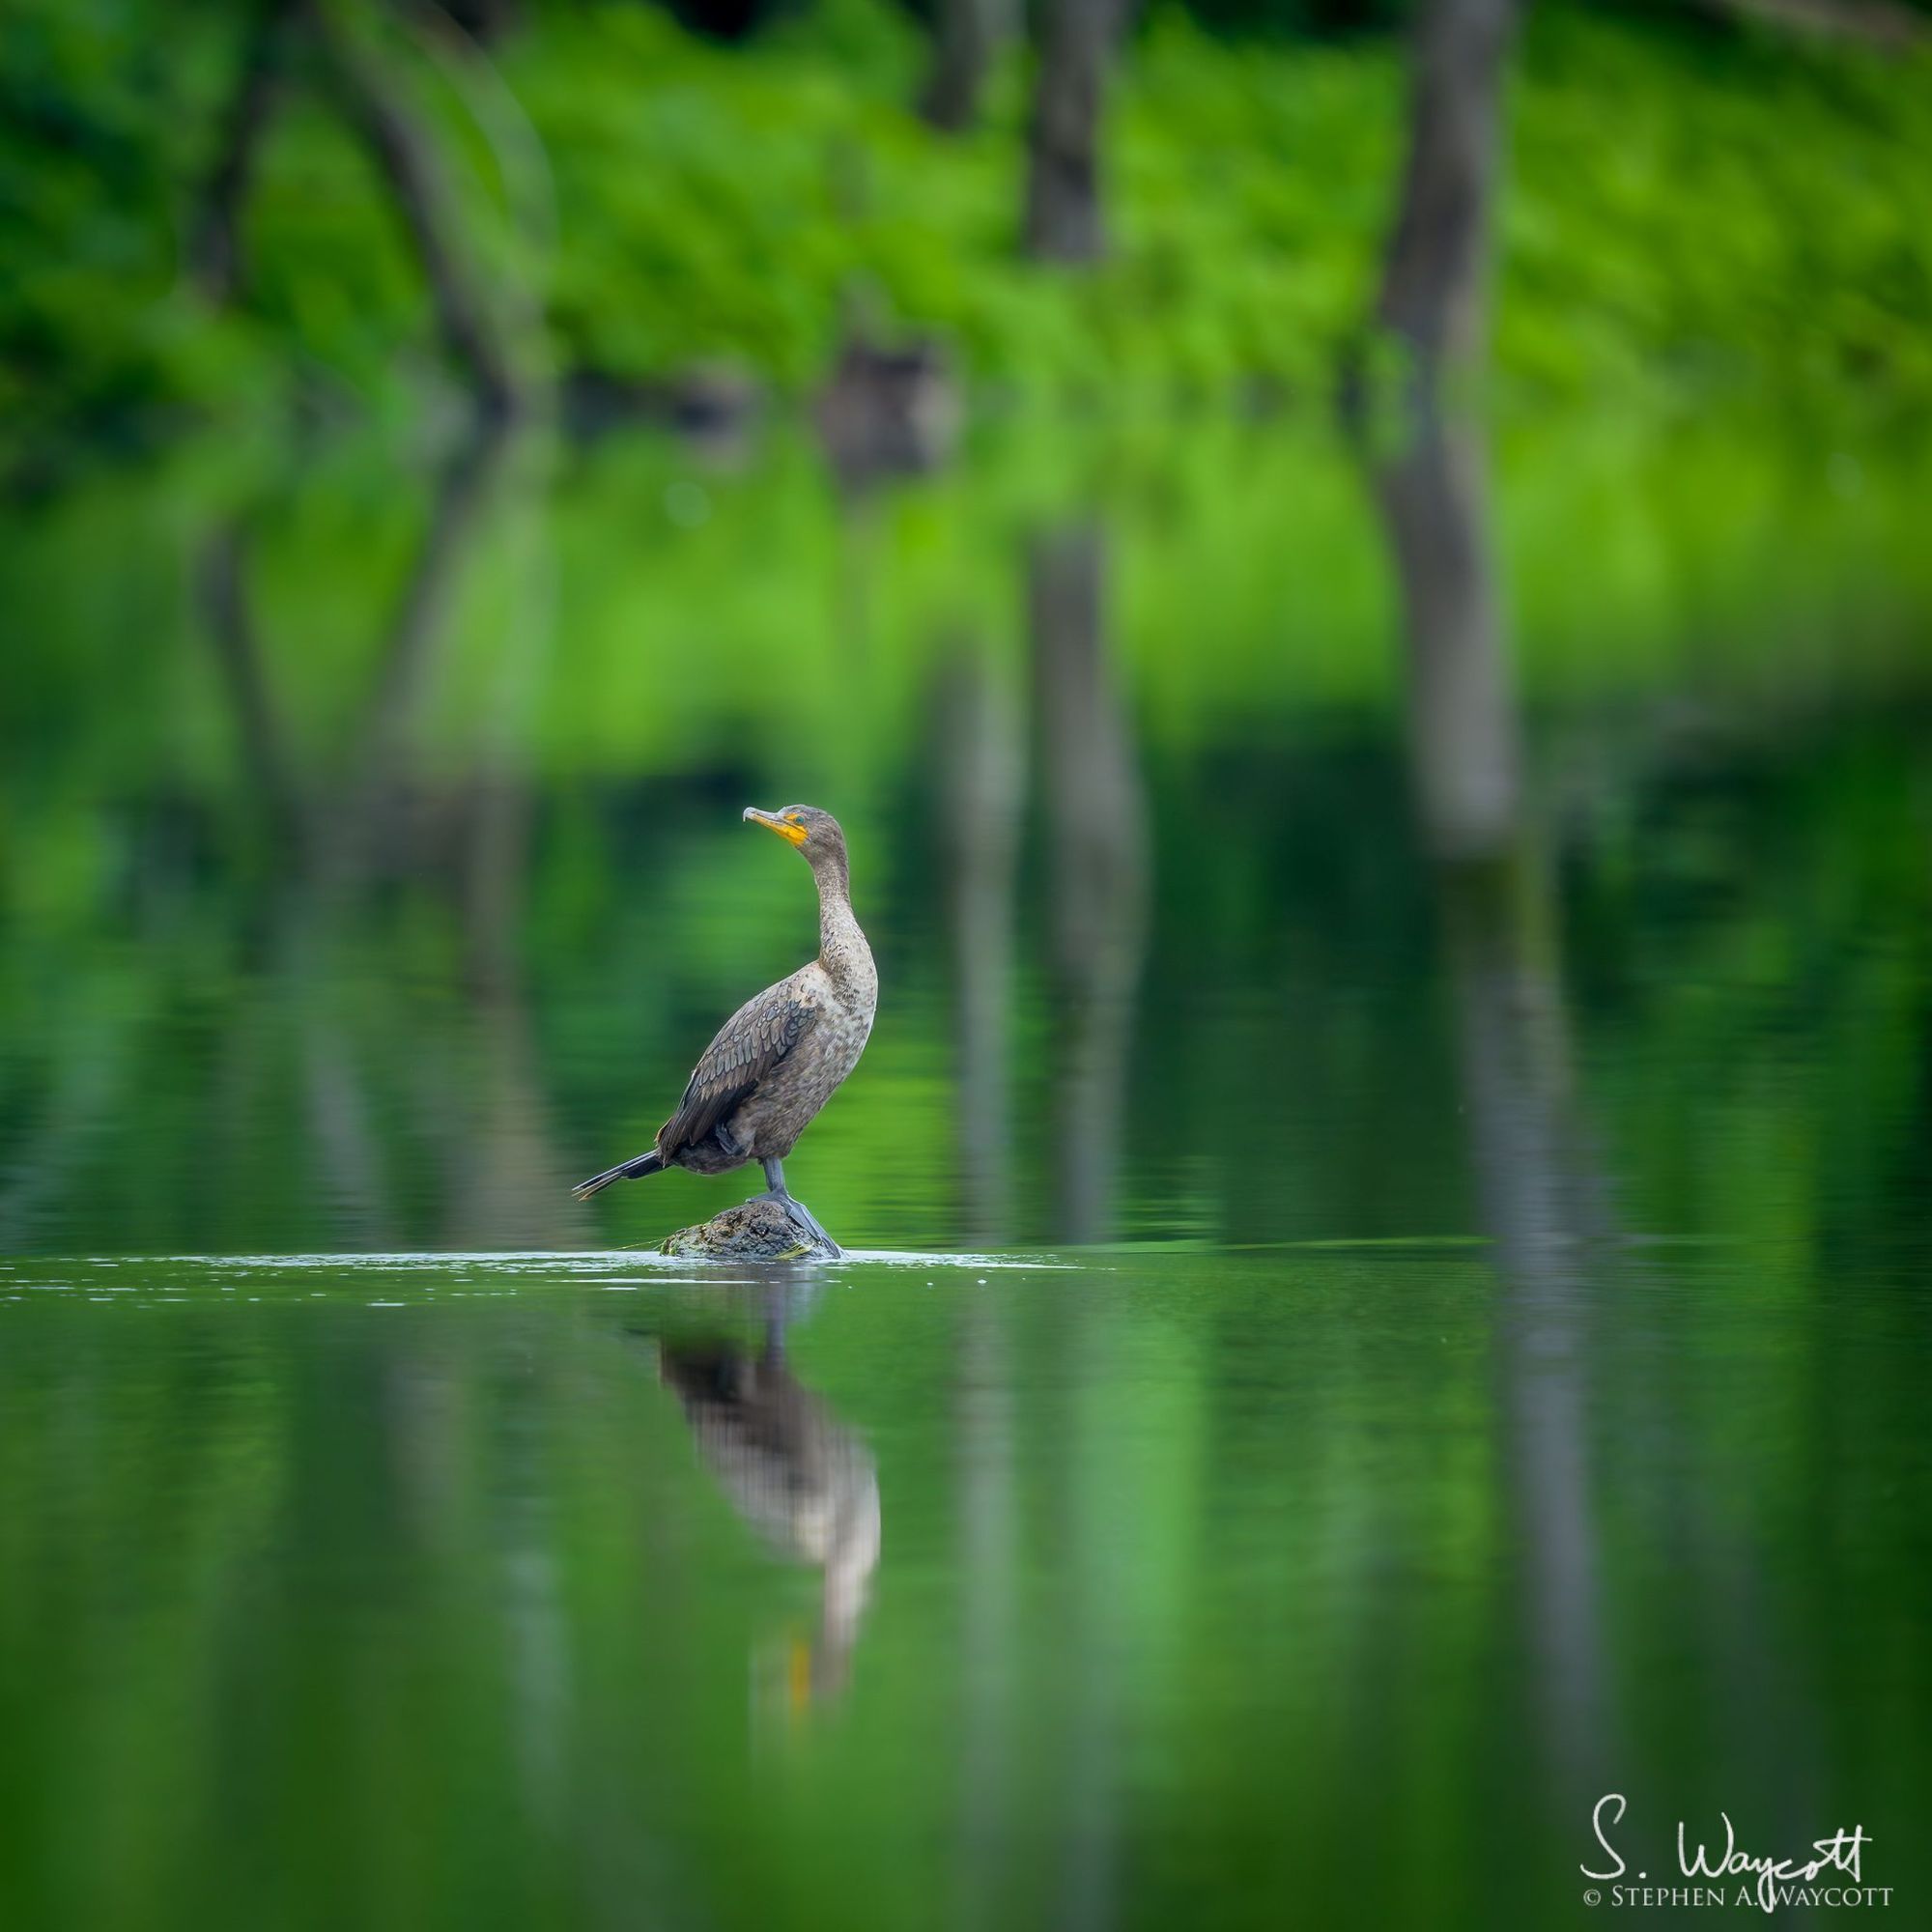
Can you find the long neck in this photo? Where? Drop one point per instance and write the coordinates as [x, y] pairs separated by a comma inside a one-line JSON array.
[[842, 947]]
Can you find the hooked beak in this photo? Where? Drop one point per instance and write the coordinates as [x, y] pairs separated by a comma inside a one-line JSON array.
[[792, 835]]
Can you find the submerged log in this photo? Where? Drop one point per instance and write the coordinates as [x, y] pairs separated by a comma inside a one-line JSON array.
[[754, 1231]]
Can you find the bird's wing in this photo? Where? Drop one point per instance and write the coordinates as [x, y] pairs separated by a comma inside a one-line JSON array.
[[749, 1046]]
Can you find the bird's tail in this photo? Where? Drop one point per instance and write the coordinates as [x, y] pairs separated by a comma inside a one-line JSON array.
[[628, 1169]]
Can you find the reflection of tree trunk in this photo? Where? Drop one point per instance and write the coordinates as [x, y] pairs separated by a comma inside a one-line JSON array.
[[218, 245], [348, 829], [984, 779], [1540, 1197], [1097, 836], [510, 1190], [416, 630], [405, 152], [1436, 284], [1095, 1825], [347, 1157], [1063, 218], [358, 822], [392, 716], [264, 744], [966, 36], [1544, 1200], [1542, 1204], [350, 1156], [989, 1552]]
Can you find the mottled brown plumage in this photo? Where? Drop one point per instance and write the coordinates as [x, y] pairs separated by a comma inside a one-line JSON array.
[[748, 1050], [777, 1060]]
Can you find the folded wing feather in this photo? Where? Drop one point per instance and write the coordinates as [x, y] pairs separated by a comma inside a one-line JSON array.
[[749, 1047]]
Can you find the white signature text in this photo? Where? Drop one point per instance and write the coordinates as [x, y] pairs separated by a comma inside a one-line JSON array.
[[1774, 1880]]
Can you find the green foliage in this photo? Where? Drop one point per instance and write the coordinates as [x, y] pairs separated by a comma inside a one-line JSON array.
[[1684, 211], [1733, 213]]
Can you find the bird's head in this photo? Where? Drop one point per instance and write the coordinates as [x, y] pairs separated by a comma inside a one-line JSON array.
[[814, 833]]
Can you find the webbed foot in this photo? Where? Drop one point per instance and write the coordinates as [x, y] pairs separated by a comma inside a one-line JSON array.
[[804, 1220]]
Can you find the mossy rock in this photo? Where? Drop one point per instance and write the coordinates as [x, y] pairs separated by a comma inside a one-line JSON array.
[[754, 1231]]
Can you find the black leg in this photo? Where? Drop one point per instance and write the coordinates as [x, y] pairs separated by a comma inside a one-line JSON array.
[[775, 1175]]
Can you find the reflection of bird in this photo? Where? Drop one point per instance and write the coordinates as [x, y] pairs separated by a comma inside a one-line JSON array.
[[778, 1058], [793, 1471]]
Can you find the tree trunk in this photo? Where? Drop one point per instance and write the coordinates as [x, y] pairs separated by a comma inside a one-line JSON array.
[[966, 36], [1878, 24], [1435, 289], [406, 153], [277, 799], [1063, 218], [1462, 735], [217, 241], [483, 19]]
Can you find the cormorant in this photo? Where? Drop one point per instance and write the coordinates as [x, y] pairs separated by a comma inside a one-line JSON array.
[[778, 1058], [803, 1480]]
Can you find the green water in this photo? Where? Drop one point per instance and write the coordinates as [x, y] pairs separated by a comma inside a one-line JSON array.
[[1387, 1200], [1158, 1587]]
